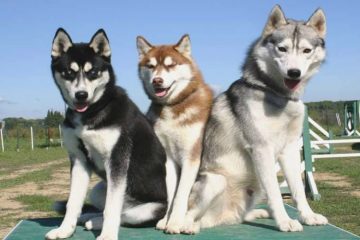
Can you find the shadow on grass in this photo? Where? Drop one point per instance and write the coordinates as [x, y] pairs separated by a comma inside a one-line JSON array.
[[355, 146]]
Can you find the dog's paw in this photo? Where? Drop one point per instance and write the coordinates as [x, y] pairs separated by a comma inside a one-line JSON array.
[[107, 237], [290, 225], [256, 213], [161, 224], [190, 227], [173, 227], [313, 219], [59, 233], [87, 216], [94, 223]]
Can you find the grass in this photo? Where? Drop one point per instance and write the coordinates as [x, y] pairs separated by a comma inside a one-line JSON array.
[[36, 202], [35, 176], [12, 159], [340, 208], [349, 167]]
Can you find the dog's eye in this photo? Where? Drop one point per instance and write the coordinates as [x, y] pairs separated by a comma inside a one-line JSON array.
[[68, 74], [307, 50], [92, 74], [173, 64], [282, 49], [150, 66]]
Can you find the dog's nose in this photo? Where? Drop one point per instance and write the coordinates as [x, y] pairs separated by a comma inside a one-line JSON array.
[[81, 95], [157, 81], [294, 73]]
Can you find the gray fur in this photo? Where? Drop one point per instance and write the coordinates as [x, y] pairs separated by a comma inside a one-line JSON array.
[[254, 124]]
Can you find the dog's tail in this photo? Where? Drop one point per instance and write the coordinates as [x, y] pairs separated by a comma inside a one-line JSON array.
[[60, 207]]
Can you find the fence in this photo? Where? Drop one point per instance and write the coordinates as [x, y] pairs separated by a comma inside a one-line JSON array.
[[28, 138]]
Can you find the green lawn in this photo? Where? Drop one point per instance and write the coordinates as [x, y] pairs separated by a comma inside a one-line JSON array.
[[336, 203]]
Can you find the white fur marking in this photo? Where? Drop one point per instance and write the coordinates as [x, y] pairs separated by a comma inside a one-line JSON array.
[[168, 61], [87, 66], [74, 66]]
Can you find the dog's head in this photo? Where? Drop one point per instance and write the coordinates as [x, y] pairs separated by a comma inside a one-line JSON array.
[[290, 51], [166, 71], [82, 71]]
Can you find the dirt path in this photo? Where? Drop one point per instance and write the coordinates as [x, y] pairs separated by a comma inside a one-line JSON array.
[[11, 211], [338, 181]]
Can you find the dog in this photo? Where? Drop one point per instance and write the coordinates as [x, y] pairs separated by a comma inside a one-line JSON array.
[[104, 132], [255, 123], [180, 107]]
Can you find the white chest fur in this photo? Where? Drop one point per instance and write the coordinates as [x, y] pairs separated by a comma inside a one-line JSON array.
[[99, 143], [178, 139]]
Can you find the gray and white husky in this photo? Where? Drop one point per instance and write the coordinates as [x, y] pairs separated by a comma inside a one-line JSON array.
[[254, 124]]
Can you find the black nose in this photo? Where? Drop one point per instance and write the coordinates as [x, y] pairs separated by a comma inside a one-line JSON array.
[[294, 73], [81, 95]]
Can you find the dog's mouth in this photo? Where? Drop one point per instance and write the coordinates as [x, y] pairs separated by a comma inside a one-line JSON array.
[[292, 84], [161, 92], [81, 106]]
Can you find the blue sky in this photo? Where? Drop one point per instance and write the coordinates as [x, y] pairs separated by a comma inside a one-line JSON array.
[[220, 32]]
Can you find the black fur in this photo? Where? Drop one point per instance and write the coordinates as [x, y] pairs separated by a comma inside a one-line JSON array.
[[138, 154]]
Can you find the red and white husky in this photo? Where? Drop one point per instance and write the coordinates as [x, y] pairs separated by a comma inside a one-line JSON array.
[[180, 107]]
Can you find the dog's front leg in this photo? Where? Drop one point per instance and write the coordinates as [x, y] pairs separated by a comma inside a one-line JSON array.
[[188, 175], [80, 177], [264, 164], [115, 193], [291, 164]]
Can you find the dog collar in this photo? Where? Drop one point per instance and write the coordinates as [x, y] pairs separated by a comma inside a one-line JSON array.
[[265, 89]]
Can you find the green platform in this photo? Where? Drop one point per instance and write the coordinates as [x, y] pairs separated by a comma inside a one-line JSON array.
[[260, 229]]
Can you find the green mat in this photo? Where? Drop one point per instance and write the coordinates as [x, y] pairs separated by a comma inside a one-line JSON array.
[[259, 229]]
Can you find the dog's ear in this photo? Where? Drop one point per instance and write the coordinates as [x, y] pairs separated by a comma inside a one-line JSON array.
[[143, 46], [184, 45], [275, 20], [318, 22], [61, 43], [100, 43]]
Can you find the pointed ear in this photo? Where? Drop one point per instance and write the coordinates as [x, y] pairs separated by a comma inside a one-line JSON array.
[[275, 20], [318, 22], [61, 43], [184, 45], [100, 43], [143, 46]]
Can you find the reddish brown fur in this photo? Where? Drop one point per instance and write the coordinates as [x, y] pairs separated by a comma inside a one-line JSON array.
[[196, 95]]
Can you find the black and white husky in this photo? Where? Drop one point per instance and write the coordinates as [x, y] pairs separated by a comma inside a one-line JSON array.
[[254, 124], [106, 133]]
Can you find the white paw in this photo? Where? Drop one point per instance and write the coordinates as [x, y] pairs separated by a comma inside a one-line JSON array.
[[87, 216], [173, 227], [190, 227], [256, 213], [61, 232], [313, 219], [290, 225], [161, 224], [107, 237], [94, 223]]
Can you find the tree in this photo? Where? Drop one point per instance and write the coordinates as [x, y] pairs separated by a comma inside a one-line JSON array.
[[53, 118]]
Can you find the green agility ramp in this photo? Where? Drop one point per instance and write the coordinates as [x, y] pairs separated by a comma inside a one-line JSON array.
[[259, 229]]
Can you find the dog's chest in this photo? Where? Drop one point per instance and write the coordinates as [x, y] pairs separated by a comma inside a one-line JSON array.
[[99, 143], [178, 139], [278, 125]]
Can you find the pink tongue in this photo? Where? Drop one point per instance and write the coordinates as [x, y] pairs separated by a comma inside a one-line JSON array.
[[160, 92], [81, 107], [291, 84]]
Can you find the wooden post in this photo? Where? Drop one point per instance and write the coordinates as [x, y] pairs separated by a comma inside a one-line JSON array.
[[32, 138], [2, 140], [17, 140], [60, 136]]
